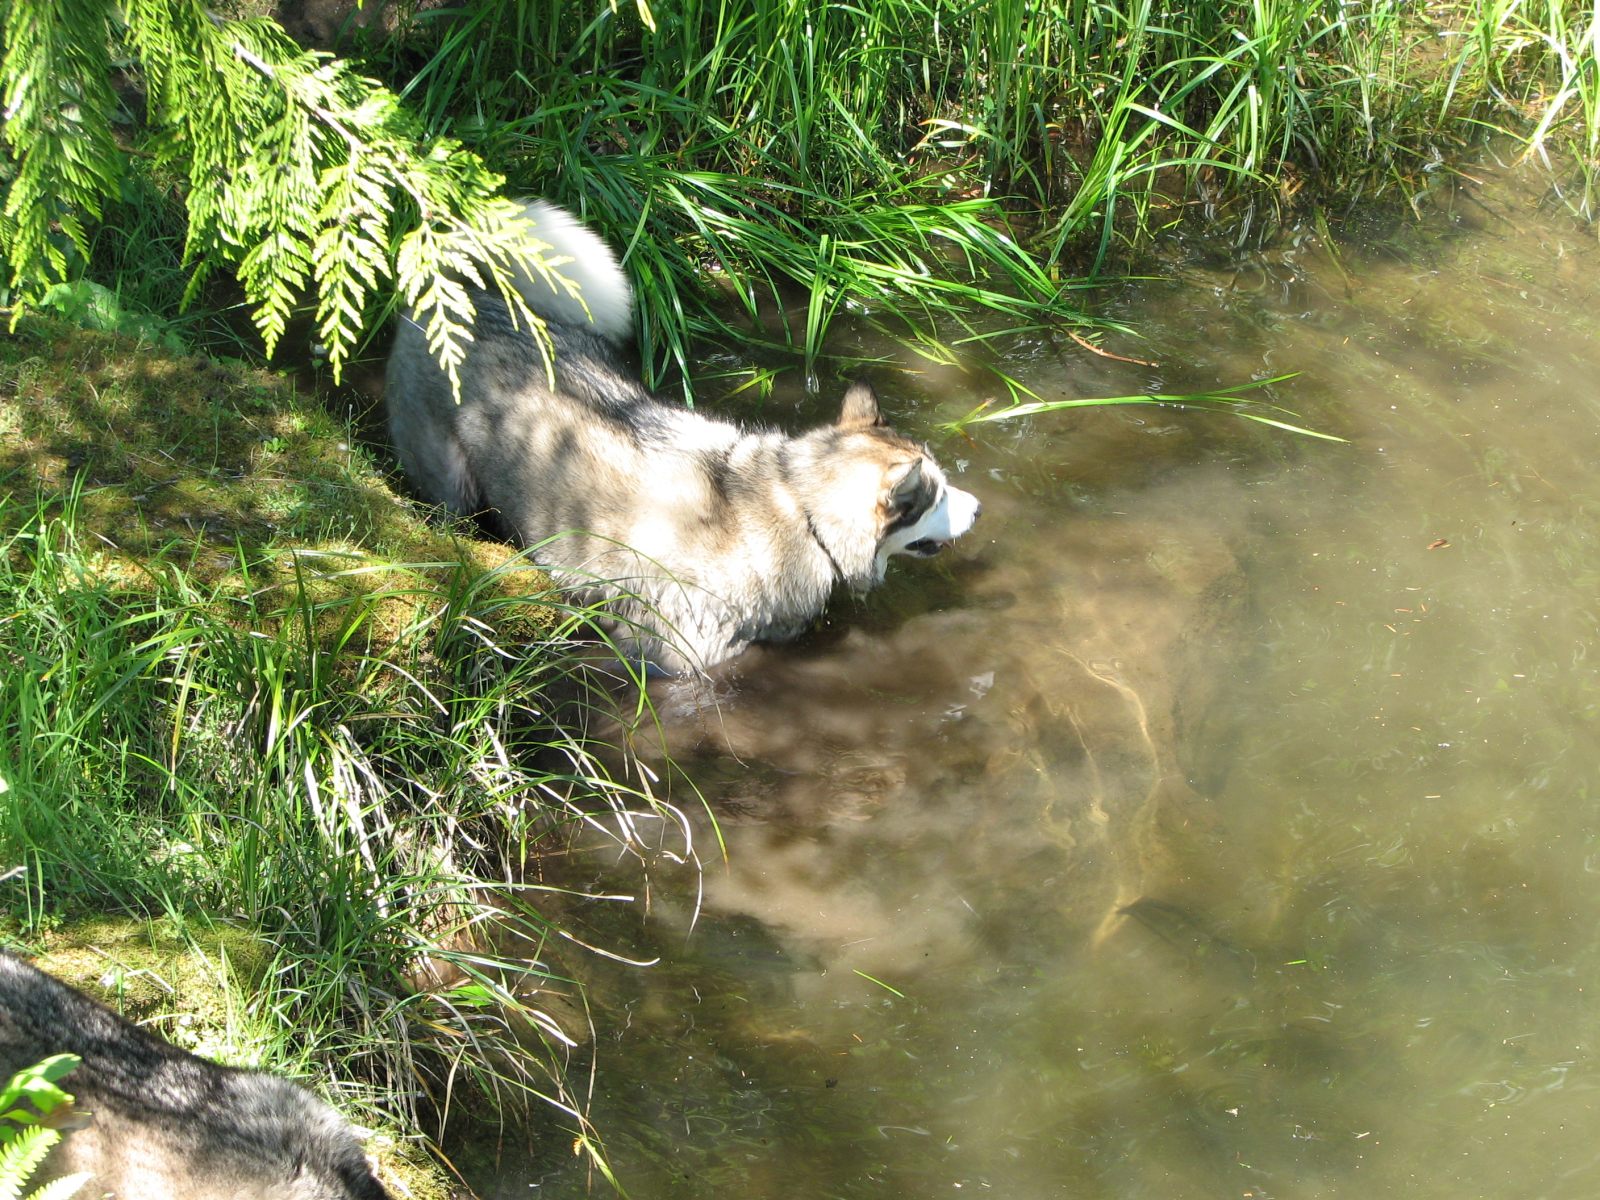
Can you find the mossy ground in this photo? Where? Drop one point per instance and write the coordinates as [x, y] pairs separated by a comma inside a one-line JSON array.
[[226, 473], [222, 481]]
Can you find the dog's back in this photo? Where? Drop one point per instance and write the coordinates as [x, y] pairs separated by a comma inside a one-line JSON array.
[[464, 451], [158, 1123], [701, 536]]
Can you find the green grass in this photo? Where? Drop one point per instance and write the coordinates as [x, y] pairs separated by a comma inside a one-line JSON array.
[[227, 699], [946, 171], [1235, 401], [1565, 41], [242, 683], [934, 165]]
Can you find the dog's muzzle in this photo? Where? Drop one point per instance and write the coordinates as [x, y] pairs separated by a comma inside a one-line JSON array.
[[960, 511]]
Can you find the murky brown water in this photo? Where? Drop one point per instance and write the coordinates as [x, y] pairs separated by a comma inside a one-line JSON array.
[[1323, 719]]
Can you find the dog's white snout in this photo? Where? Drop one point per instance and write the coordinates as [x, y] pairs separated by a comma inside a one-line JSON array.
[[961, 511], [942, 524]]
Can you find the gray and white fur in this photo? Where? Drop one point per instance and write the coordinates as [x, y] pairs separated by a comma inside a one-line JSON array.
[[152, 1122], [703, 536]]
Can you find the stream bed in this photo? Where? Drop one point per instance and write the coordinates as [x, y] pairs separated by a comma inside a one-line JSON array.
[[1218, 819]]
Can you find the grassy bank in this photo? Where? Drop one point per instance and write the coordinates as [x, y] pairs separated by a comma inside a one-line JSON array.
[[925, 161], [245, 687], [952, 171], [215, 990]]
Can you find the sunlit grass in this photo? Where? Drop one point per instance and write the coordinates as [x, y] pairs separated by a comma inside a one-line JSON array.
[[918, 162], [370, 803], [1569, 123], [242, 681]]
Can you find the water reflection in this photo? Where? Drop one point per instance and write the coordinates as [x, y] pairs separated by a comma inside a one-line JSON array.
[[1218, 821]]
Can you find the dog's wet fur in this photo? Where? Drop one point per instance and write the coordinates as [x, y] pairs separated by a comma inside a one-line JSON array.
[[150, 1121], [703, 536]]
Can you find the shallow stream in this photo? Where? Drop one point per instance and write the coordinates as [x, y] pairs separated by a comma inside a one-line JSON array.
[[1218, 820]]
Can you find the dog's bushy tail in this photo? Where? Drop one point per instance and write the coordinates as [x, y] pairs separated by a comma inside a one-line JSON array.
[[605, 297]]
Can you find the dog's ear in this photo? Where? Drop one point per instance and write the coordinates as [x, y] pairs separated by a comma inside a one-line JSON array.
[[860, 407], [905, 482]]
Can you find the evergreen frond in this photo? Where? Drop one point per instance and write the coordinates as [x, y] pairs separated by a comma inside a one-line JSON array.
[[55, 83], [62, 1188], [20, 1157], [307, 180]]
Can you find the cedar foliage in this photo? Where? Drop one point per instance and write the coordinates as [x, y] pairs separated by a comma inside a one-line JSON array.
[[299, 175]]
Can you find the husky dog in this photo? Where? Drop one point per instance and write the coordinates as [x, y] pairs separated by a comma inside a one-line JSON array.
[[153, 1122], [704, 536]]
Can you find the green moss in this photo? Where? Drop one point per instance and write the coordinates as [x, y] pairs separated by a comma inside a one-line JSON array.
[[205, 500], [230, 473], [174, 983]]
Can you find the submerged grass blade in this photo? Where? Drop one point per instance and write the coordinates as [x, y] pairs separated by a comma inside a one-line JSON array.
[[886, 987], [1231, 400]]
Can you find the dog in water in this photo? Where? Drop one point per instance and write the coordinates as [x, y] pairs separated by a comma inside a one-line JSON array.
[[703, 537], [152, 1122]]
